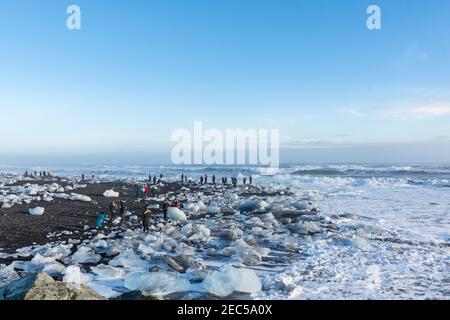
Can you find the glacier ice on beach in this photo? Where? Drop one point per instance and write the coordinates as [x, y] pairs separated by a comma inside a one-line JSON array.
[[73, 274], [230, 279], [361, 243], [176, 214], [306, 227], [128, 259], [249, 255], [38, 211], [85, 254], [106, 272], [111, 194], [252, 204], [158, 283]]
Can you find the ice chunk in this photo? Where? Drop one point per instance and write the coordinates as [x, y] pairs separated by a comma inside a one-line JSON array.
[[38, 259], [291, 243], [302, 205], [38, 211], [213, 209], [54, 268], [248, 254], [223, 283], [103, 290], [73, 274], [306, 227], [100, 246], [252, 204], [362, 244], [111, 194], [176, 214], [255, 221], [80, 197], [196, 232], [105, 272], [128, 259], [85, 255], [270, 219], [195, 207], [159, 283]]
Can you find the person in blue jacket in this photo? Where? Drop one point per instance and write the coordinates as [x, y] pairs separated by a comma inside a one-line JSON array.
[[100, 219]]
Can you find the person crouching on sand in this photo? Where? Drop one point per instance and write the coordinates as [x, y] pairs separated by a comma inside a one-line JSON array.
[[101, 217], [146, 219]]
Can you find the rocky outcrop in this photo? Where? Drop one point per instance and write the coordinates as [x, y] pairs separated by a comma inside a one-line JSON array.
[[40, 286]]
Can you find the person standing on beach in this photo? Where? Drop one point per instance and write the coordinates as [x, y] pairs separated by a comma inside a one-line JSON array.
[[182, 177], [161, 176], [93, 175], [185, 179], [165, 207], [146, 190], [213, 179], [206, 178], [123, 207], [201, 180], [138, 191], [154, 179], [112, 209], [82, 176], [250, 179], [244, 180], [146, 219]]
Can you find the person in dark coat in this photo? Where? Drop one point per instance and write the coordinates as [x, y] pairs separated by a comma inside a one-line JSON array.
[[112, 209], [123, 207], [165, 206], [146, 219]]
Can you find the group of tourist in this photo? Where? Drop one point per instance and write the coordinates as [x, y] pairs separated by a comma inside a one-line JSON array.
[[83, 177], [143, 190], [204, 180], [116, 210], [35, 174]]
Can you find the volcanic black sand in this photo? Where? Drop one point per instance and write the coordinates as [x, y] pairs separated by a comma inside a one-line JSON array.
[[20, 229]]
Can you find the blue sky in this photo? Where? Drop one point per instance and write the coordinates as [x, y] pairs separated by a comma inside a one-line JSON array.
[[137, 70]]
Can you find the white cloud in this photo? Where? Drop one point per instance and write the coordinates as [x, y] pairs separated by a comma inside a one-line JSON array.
[[353, 111], [289, 141], [417, 112]]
